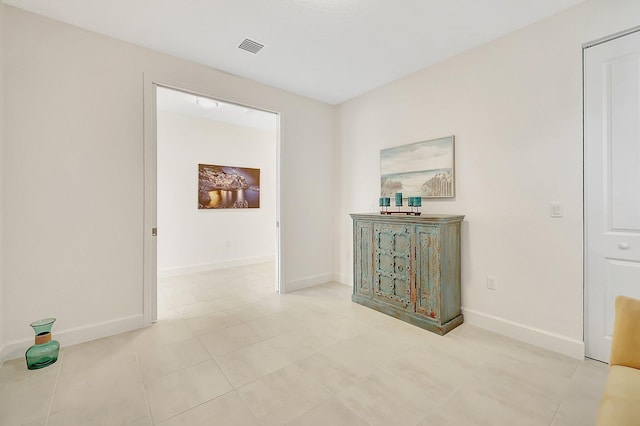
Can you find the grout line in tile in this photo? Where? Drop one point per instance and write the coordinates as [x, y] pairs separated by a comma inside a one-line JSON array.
[[194, 407], [253, 381], [322, 402], [55, 387], [565, 393], [144, 386]]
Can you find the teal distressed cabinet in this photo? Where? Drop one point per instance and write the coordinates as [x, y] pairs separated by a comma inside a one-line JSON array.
[[409, 267]]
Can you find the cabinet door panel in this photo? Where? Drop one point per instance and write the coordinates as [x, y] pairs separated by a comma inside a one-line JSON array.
[[428, 276], [363, 267], [391, 267]]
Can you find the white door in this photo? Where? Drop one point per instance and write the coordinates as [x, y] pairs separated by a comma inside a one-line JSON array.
[[612, 184]]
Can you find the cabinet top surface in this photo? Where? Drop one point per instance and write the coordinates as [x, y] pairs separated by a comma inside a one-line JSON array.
[[424, 217]]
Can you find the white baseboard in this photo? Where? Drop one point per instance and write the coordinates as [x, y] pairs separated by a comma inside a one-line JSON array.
[[544, 339], [203, 267], [73, 336], [307, 282], [342, 279]]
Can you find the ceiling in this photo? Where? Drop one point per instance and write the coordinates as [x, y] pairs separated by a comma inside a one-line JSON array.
[[329, 50], [186, 104]]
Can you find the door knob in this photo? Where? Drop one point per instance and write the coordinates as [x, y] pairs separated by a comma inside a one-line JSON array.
[[624, 246]]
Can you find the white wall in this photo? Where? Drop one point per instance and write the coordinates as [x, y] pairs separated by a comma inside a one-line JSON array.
[[190, 239], [515, 107], [73, 170]]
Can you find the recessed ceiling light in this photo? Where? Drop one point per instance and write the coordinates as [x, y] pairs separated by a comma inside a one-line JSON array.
[[206, 103]]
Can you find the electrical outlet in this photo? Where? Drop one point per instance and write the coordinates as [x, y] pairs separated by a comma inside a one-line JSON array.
[[491, 282]]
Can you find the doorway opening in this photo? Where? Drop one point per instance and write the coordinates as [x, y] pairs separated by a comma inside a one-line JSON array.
[[216, 189]]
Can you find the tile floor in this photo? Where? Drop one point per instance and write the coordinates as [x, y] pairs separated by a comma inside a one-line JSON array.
[[228, 351]]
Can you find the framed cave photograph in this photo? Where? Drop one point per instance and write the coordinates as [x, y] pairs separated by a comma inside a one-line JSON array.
[[423, 169], [228, 187]]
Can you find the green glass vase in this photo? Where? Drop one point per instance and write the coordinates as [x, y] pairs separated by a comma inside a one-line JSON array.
[[45, 351]]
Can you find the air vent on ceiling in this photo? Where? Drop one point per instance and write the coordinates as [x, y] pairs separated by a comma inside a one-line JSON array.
[[251, 46]]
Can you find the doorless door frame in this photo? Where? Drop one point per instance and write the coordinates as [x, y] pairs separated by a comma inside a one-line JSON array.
[[150, 214]]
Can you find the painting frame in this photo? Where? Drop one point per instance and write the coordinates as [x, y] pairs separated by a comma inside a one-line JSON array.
[[425, 169], [228, 187]]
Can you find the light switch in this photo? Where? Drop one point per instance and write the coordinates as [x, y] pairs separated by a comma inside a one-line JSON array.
[[556, 210]]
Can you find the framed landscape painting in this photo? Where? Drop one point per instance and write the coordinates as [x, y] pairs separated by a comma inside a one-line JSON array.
[[424, 169], [228, 187]]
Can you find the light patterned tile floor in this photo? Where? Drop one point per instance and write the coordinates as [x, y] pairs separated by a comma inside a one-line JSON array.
[[227, 350]]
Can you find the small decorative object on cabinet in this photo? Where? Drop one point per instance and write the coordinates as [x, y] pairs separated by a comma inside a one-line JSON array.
[[412, 202], [409, 267], [398, 199], [384, 203], [45, 351]]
